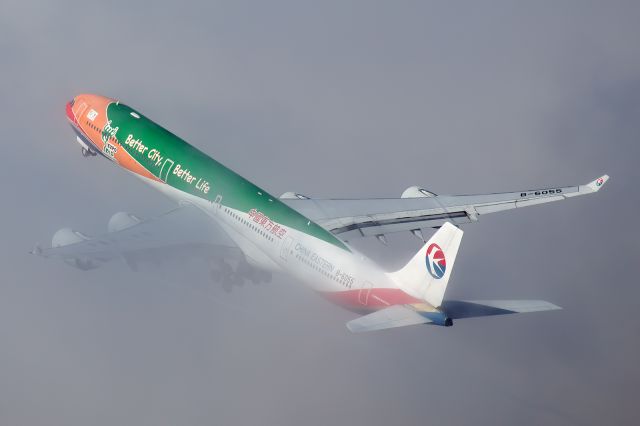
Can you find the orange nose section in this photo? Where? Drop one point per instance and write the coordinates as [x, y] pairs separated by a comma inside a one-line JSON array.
[[86, 102], [70, 115]]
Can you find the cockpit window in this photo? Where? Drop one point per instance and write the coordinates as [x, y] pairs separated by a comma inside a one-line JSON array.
[[72, 101]]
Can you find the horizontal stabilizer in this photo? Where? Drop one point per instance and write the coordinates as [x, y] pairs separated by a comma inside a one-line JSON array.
[[399, 316], [403, 315], [393, 316], [456, 309]]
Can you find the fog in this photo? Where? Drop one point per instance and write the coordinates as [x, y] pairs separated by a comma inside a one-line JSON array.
[[330, 99]]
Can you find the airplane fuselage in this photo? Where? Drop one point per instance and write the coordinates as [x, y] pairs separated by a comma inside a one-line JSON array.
[[272, 235]]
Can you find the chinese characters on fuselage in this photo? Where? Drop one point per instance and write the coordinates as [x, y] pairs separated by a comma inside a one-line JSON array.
[[264, 221]]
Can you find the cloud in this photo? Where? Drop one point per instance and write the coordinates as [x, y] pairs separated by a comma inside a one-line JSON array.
[[328, 99]]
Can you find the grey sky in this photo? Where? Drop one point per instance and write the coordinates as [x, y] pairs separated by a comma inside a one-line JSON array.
[[332, 99]]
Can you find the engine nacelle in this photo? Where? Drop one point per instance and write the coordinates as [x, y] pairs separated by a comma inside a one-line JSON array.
[[290, 195], [66, 236], [122, 220], [417, 192]]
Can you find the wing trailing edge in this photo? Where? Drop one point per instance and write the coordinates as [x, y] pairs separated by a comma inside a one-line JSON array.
[[353, 218]]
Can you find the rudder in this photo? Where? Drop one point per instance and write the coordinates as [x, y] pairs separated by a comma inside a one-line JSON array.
[[427, 274]]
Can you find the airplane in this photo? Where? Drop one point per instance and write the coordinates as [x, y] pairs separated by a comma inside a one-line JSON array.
[[248, 234]]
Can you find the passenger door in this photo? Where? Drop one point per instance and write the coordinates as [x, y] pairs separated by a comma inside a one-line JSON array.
[[365, 291], [166, 169], [285, 249]]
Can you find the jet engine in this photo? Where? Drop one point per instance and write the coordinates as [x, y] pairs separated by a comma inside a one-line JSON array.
[[290, 195], [121, 221], [417, 192], [65, 236]]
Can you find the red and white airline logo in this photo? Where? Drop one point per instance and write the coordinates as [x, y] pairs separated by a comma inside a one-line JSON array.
[[436, 261]]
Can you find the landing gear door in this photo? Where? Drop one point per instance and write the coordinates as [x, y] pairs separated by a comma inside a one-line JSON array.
[[285, 249]]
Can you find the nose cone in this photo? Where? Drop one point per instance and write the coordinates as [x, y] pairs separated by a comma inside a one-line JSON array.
[[86, 102], [69, 111]]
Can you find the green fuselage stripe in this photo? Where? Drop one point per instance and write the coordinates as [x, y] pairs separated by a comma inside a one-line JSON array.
[[192, 171]]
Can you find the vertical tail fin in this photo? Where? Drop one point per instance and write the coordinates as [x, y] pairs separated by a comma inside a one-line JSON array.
[[426, 275]]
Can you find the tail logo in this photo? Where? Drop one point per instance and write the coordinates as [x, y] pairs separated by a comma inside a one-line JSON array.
[[436, 262]]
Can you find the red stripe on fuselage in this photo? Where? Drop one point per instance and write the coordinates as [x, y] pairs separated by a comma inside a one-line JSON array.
[[370, 300]]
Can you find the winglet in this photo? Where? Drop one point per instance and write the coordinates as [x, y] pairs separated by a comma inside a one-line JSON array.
[[595, 185]]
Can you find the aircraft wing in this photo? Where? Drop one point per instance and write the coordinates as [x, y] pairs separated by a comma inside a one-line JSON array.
[[177, 234], [419, 208]]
